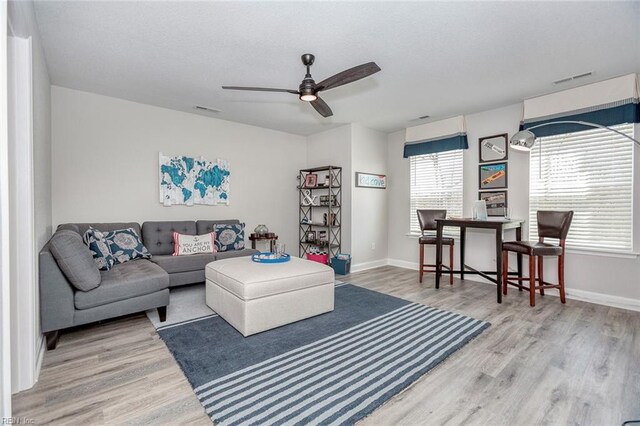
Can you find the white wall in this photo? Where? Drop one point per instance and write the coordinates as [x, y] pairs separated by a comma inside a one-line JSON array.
[[333, 147], [369, 206], [598, 277], [105, 164], [27, 341], [5, 307]]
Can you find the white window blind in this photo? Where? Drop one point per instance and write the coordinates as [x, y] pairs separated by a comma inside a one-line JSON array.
[[591, 173], [436, 183]]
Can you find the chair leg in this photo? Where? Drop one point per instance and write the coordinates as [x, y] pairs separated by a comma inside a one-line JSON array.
[[561, 278], [532, 280], [421, 261], [541, 275], [505, 271], [451, 264]]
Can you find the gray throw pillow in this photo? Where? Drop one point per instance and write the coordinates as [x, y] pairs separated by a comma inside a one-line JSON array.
[[75, 260]]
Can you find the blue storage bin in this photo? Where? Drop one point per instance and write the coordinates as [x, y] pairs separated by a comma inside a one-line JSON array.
[[341, 266]]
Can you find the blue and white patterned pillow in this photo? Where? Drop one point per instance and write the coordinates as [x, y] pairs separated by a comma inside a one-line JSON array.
[[99, 249], [229, 236], [126, 245]]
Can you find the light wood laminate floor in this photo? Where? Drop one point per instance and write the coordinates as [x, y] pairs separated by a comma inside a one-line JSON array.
[[577, 363]]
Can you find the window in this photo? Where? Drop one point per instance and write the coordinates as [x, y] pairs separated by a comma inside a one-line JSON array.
[[436, 183], [591, 173]]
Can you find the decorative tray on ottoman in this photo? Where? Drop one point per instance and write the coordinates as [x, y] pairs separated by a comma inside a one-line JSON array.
[[268, 257]]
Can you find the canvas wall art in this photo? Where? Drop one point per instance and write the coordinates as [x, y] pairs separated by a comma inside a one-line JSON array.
[[193, 180], [493, 176]]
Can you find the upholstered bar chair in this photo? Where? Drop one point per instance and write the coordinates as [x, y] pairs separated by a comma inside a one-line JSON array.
[[427, 221], [551, 224]]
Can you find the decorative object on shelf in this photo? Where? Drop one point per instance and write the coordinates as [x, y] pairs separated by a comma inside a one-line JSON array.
[[496, 202], [493, 176], [493, 148], [480, 210], [324, 200], [311, 180], [327, 204], [193, 180], [308, 199], [325, 217], [310, 237], [369, 180], [261, 230], [268, 257]]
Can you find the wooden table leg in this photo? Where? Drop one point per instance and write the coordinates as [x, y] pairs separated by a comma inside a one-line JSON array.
[[519, 256], [499, 238], [438, 253], [463, 238]]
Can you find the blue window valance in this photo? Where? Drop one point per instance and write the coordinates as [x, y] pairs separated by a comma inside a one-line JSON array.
[[439, 136], [609, 102]]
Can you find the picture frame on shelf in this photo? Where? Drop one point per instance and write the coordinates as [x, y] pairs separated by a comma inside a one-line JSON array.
[[493, 148], [496, 202], [311, 180], [492, 176], [310, 236]]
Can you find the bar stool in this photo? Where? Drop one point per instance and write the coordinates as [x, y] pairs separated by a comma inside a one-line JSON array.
[[551, 224], [427, 221]]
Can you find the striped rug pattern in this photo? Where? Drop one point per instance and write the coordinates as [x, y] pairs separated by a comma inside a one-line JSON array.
[[341, 378]]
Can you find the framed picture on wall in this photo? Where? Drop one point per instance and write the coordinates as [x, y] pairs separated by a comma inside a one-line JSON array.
[[492, 176], [496, 202], [494, 148]]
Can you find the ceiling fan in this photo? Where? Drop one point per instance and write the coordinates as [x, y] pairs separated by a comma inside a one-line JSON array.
[[308, 90]]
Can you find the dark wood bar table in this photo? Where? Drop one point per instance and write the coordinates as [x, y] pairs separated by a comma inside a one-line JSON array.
[[499, 225]]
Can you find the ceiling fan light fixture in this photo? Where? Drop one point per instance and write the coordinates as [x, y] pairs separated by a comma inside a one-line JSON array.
[[307, 93]]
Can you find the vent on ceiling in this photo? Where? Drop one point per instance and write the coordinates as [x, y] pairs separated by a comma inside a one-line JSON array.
[[423, 117], [575, 77], [206, 109]]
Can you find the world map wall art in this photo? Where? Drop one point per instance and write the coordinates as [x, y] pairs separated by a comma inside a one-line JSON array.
[[193, 180]]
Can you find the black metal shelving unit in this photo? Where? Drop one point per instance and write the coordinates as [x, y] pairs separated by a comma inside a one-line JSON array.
[[317, 216]]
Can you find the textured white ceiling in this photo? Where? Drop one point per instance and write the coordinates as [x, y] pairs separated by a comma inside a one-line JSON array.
[[439, 59]]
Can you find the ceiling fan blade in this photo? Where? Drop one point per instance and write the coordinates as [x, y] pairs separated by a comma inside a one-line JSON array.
[[348, 76], [261, 89], [322, 107]]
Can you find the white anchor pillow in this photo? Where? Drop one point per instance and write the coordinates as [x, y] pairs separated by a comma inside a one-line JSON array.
[[193, 244]]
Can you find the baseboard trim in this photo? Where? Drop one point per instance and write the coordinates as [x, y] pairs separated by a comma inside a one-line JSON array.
[[359, 267], [603, 299], [404, 264], [573, 294], [42, 348]]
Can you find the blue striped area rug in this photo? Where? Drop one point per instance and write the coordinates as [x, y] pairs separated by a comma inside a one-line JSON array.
[[335, 368]]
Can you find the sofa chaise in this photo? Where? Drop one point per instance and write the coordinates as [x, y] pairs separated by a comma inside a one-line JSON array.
[[130, 287]]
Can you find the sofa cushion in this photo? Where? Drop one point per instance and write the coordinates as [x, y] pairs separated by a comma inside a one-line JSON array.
[[126, 245], [99, 248], [81, 228], [75, 260], [158, 236], [175, 264], [186, 245], [229, 237], [206, 226], [235, 253], [124, 281]]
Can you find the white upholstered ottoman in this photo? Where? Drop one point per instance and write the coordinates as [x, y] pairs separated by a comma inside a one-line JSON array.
[[254, 297]]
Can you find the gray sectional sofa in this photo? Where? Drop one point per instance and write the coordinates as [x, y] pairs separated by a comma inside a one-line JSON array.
[[134, 286]]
